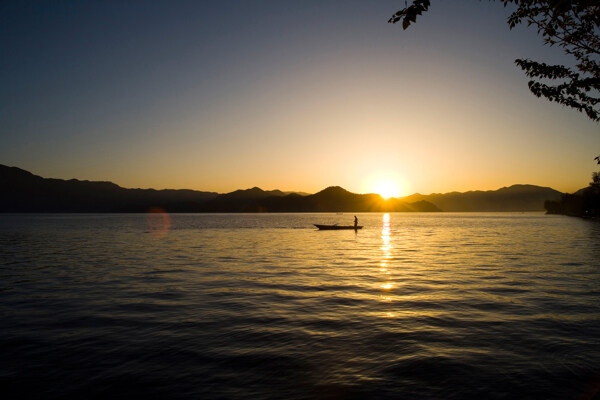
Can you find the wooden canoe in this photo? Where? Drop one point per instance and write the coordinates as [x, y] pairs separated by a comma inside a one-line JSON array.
[[337, 227]]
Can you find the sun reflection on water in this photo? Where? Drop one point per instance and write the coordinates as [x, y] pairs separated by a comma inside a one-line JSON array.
[[386, 255]]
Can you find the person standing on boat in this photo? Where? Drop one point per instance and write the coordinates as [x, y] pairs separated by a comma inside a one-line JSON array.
[[355, 222]]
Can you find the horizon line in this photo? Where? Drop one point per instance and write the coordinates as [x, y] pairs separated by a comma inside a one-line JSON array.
[[286, 191]]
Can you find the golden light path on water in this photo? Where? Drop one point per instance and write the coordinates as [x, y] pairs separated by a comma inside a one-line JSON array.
[[386, 256]]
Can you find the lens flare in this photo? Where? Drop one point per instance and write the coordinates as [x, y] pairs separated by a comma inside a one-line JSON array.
[[159, 222]]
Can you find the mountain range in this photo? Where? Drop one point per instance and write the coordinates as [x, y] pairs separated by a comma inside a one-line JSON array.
[[22, 191], [513, 198]]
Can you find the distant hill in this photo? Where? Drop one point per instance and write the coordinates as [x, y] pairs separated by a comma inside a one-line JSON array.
[[336, 199], [248, 200], [21, 191], [513, 198]]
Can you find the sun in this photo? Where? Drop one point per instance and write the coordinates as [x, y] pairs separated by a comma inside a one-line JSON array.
[[386, 183], [387, 189]]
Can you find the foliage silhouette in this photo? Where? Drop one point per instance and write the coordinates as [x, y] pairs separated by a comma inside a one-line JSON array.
[[572, 25], [583, 203]]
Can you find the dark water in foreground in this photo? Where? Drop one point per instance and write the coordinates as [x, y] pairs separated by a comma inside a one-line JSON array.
[[438, 306]]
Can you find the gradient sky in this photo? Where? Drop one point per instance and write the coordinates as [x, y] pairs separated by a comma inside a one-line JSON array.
[[223, 95]]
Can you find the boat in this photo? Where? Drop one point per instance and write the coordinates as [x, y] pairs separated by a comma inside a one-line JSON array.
[[337, 227]]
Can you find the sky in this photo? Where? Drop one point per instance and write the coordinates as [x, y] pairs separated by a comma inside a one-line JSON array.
[[289, 95]]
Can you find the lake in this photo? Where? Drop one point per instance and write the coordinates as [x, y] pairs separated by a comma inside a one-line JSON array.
[[264, 306]]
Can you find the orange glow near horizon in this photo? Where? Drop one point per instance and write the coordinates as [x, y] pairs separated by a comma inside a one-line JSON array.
[[298, 106]]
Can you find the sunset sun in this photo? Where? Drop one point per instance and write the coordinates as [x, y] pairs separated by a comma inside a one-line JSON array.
[[387, 189]]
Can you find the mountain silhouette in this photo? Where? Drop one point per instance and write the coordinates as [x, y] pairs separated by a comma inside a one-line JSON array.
[[331, 199], [248, 200], [335, 198], [513, 198], [22, 191]]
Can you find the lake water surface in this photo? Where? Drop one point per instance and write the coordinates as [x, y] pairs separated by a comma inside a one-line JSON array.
[[236, 306]]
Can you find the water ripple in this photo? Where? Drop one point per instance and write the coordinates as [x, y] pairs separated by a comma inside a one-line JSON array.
[[436, 306]]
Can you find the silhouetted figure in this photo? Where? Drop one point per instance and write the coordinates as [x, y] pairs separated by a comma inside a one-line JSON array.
[[355, 222]]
